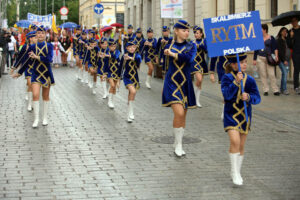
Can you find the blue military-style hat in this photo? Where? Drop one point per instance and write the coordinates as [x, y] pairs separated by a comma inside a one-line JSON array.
[[149, 30], [41, 28], [103, 39], [165, 28], [138, 30], [31, 34], [91, 31], [78, 27], [130, 43], [182, 24], [33, 26], [130, 26], [112, 41], [233, 59], [93, 40]]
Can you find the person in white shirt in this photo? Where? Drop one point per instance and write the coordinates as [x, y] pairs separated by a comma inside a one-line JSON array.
[[11, 50]]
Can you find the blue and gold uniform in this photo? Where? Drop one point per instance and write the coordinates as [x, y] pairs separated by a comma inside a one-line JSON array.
[[234, 113], [81, 46], [219, 63], [150, 50], [130, 68], [139, 41], [130, 36], [199, 63], [42, 71], [92, 57], [178, 85], [23, 58], [114, 69], [76, 43], [161, 46], [103, 62]]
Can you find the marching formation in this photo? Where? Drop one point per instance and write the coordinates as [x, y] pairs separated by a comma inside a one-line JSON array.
[[180, 60]]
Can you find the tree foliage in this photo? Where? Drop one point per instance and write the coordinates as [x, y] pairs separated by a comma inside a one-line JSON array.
[[32, 6]]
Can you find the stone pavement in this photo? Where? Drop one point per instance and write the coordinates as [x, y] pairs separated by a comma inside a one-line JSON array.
[[90, 152]]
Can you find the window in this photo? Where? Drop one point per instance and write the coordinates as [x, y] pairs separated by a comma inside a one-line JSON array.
[[251, 5], [273, 8], [231, 6]]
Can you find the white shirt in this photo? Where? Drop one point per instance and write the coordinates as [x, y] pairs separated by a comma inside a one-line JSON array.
[[11, 45]]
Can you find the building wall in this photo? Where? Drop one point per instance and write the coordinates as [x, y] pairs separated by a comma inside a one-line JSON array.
[[88, 18]]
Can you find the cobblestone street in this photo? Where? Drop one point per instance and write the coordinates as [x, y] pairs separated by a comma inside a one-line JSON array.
[[89, 151]]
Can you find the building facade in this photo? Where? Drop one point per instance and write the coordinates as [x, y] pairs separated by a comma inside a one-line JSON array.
[[113, 12], [145, 13]]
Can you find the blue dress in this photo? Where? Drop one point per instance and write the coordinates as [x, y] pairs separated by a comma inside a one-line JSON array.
[[178, 85], [114, 70], [199, 63], [42, 71], [103, 63], [234, 113], [130, 38], [25, 61], [160, 51], [150, 50], [139, 44], [130, 67], [76, 45], [92, 57], [219, 62], [82, 49]]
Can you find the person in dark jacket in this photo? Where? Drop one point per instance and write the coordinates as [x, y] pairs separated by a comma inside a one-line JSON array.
[[284, 57], [293, 41]]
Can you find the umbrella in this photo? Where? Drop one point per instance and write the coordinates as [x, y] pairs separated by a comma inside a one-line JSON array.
[[118, 25], [23, 23], [285, 18], [106, 28], [68, 25]]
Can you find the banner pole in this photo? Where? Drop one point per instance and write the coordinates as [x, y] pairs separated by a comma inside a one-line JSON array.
[[242, 87]]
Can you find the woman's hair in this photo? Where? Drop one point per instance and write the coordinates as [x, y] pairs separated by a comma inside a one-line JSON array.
[[265, 27], [201, 31], [279, 35], [228, 68]]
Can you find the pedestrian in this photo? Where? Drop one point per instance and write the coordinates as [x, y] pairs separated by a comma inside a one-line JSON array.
[[294, 44], [161, 44], [150, 48], [114, 70], [92, 59], [130, 63], [57, 52], [178, 89], [218, 63], [11, 50], [235, 123], [66, 44], [284, 55], [26, 65], [76, 51], [265, 69], [139, 40], [42, 75], [103, 58], [199, 66]]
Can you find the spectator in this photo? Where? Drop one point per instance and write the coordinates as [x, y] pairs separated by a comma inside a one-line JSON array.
[[57, 49], [66, 44], [11, 50], [284, 54], [293, 41], [4, 40], [260, 58]]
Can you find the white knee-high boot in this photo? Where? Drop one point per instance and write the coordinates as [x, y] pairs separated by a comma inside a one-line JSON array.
[[26, 94], [78, 74], [45, 112], [82, 75], [104, 89], [197, 95], [148, 82], [29, 106], [86, 77], [240, 163], [36, 111], [222, 114], [236, 179], [94, 87], [176, 136], [178, 132], [110, 100], [130, 111]]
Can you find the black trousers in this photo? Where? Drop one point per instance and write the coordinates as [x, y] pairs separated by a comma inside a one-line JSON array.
[[296, 62]]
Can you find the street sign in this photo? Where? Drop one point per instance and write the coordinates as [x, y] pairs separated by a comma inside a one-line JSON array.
[[64, 17], [64, 10], [235, 33], [98, 8]]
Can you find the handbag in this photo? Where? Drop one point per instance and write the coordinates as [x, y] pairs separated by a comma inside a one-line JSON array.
[[271, 60]]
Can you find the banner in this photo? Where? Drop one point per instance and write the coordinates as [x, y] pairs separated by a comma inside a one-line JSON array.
[[232, 34], [38, 20], [171, 8]]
